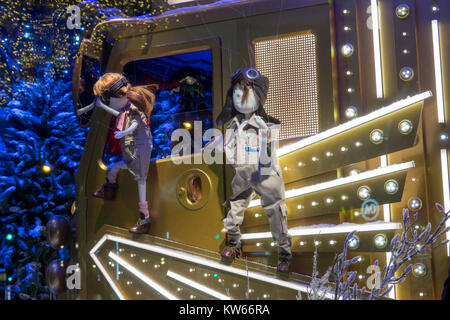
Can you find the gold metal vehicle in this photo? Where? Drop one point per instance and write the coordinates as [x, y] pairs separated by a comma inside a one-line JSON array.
[[361, 119]]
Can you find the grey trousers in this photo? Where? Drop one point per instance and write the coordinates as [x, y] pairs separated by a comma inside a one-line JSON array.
[[270, 189], [137, 159]]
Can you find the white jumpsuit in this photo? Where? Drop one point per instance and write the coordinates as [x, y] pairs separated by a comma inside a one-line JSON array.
[[243, 150]]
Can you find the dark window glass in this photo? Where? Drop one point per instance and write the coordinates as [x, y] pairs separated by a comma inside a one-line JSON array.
[[90, 73], [184, 95]]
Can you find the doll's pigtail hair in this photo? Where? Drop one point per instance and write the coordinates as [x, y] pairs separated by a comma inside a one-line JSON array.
[[228, 110], [143, 98]]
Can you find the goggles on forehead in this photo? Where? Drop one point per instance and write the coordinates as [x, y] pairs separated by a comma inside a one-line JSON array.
[[249, 74], [116, 86]]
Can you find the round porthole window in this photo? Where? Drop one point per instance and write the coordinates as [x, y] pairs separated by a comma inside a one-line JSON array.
[[193, 189]]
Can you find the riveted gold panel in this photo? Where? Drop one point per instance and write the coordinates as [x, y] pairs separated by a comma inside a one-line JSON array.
[[351, 200], [162, 257], [303, 244], [327, 154]]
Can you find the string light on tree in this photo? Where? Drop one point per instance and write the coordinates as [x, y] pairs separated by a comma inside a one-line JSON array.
[[46, 168]]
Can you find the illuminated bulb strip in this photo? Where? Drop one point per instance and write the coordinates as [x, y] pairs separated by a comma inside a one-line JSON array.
[[197, 286], [377, 48], [387, 206], [102, 269], [143, 277], [438, 71], [446, 190], [441, 117], [353, 123], [342, 181], [387, 212], [387, 218], [328, 230], [215, 265], [392, 293], [384, 161]]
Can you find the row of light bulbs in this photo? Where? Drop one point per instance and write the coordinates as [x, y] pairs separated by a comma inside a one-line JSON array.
[[406, 73], [376, 136], [380, 241], [364, 192], [390, 187], [402, 12], [220, 280], [347, 51]]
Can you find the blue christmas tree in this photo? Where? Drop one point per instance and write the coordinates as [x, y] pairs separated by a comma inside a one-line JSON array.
[[40, 148]]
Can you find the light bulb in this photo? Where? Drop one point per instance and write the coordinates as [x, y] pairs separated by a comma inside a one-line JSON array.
[[347, 50], [363, 192], [402, 11], [391, 186], [406, 73], [351, 112]]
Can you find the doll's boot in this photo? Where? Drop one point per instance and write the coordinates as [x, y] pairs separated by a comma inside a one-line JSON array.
[[143, 224], [107, 191], [231, 251], [284, 266]]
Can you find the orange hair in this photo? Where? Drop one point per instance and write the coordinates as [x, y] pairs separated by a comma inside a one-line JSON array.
[[106, 81], [141, 96]]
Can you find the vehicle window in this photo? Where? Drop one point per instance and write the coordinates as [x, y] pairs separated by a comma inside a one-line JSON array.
[[184, 95]]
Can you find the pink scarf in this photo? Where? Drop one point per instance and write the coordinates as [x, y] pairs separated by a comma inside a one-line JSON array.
[[121, 118]]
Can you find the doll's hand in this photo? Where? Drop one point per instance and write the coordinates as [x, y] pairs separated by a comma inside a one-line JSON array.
[[242, 126], [260, 122]]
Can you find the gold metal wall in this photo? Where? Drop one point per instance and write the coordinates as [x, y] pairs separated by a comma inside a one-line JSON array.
[[234, 33]]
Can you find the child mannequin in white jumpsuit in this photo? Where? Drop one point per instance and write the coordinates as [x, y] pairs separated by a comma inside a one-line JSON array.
[[256, 166]]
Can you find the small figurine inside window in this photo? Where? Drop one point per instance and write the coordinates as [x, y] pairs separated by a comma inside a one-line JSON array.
[[132, 107], [248, 141]]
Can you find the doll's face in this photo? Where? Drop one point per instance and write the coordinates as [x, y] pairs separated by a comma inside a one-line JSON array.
[[119, 100], [245, 105]]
